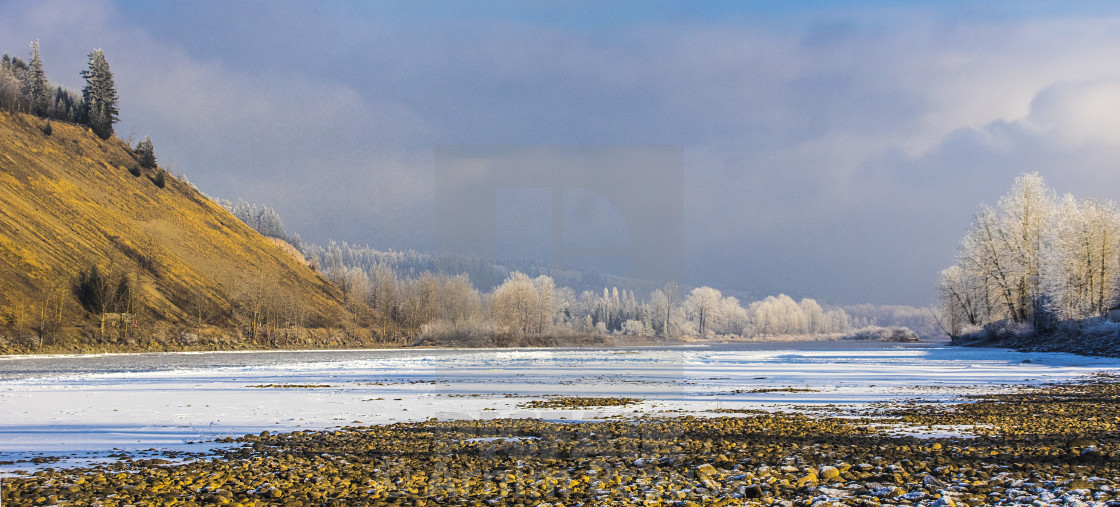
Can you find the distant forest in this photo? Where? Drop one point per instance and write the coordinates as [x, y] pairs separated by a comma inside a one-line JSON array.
[[446, 297]]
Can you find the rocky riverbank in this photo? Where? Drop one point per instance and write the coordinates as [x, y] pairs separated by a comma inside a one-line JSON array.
[[1052, 444], [1090, 341]]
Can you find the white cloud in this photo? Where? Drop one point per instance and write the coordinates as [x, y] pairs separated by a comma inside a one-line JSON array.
[[1077, 114], [810, 143]]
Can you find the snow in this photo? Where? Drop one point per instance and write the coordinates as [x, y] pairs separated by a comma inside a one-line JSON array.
[[66, 404]]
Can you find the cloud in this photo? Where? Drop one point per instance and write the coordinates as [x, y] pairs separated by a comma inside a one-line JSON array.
[[829, 152], [1078, 114]]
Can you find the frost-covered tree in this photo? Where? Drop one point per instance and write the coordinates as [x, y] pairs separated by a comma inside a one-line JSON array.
[[514, 303], [35, 86], [699, 306], [1023, 215], [1034, 259], [543, 310], [780, 315], [1082, 269], [813, 316], [1001, 254], [100, 95], [12, 72], [266, 221], [959, 301], [457, 300], [1000, 260]]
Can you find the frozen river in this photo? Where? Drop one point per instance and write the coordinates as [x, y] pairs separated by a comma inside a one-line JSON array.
[[96, 403]]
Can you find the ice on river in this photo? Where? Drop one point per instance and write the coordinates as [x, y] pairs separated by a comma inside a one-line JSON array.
[[100, 402]]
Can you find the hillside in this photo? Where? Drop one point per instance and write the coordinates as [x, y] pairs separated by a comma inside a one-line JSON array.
[[69, 201]]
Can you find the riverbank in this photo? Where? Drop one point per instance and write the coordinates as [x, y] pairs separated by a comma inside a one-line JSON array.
[[1100, 340], [215, 340], [1050, 444]]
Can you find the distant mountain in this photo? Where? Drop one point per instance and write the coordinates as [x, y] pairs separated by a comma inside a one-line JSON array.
[[89, 239]]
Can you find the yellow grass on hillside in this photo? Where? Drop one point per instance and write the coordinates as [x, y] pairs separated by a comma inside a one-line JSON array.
[[68, 201]]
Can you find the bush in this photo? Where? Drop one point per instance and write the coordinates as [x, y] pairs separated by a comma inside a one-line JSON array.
[[1008, 329], [160, 180], [47, 128], [884, 334], [134, 170]]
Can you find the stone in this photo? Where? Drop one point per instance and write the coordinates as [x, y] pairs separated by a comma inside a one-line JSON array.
[[828, 473]]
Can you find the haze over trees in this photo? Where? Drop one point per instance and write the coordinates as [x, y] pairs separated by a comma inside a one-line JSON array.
[[1034, 260], [436, 297], [440, 296]]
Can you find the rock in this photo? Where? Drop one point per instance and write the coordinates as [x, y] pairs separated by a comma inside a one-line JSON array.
[[810, 478], [1078, 484], [752, 491], [931, 483], [828, 473]]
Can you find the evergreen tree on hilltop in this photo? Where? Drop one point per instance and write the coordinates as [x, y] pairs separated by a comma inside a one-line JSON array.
[[100, 95], [146, 153], [35, 83]]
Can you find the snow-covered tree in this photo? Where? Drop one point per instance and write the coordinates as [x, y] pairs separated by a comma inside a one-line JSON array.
[[266, 221], [1034, 259], [11, 83], [543, 311], [1023, 215], [699, 306], [813, 316], [776, 316], [515, 305], [35, 86], [457, 299], [100, 95], [1082, 270]]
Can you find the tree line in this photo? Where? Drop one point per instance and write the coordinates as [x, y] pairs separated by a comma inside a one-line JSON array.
[[24, 88], [438, 296], [1034, 261], [449, 307]]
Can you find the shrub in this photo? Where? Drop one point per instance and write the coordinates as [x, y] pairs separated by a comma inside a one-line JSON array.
[[884, 334], [160, 180], [134, 170], [47, 128]]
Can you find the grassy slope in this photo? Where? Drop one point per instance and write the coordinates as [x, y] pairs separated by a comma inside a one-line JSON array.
[[67, 200]]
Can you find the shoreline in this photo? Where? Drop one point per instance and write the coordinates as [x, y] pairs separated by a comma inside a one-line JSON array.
[[609, 342], [1048, 443], [1069, 342]]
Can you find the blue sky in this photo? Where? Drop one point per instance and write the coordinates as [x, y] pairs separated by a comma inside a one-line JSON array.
[[834, 150]]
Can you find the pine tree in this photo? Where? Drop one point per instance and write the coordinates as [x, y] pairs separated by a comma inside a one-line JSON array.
[[146, 152], [100, 95], [35, 84]]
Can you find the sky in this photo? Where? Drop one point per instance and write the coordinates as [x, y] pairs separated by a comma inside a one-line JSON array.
[[834, 150]]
